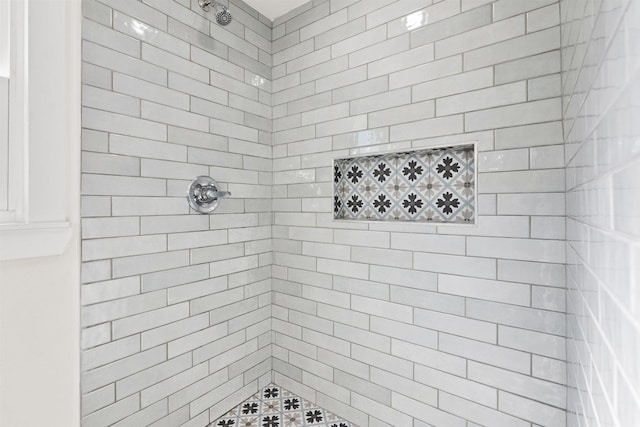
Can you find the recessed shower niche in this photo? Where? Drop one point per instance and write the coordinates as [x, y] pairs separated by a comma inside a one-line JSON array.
[[429, 185]]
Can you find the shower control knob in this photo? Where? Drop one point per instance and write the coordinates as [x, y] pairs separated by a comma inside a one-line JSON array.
[[203, 194]]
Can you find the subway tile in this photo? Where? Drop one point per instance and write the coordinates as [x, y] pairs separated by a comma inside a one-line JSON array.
[[405, 386], [379, 51], [534, 411], [456, 325], [454, 264], [379, 411], [139, 264], [548, 227], [125, 125], [364, 338], [171, 331], [483, 36], [380, 308], [498, 226], [178, 276], [323, 70], [360, 90], [522, 317], [504, 8], [411, 22], [110, 352], [402, 114], [107, 100], [427, 128], [547, 157], [131, 206], [345, 30], [357, 42], [533, 388], [518, 361], [109, 290], [307, 61], [399, 61], [553, 370], [172, 116], [458, 83], [116, 61], [528, 67], [388, 257], [428, 300], [482, 99], [112, 413], [173, 224], [478, 413], [174, 63], [381, 360], [514, 115], [534, 181], [532, 272], [120, 144], [531, 204], [97, 12], [343, 268], [428, 243], [124, 367], [522, 249], [520, 47], [136, 29], [121, 246], [426, 72], [98, 399], [109, 227], [416, 408], [460, 386], [144, 12], [403, 277], [492, 290], [544, 87], [455, 25], [149, 320]]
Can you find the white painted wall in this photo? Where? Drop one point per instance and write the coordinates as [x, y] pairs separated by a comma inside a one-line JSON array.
[[39, 297]]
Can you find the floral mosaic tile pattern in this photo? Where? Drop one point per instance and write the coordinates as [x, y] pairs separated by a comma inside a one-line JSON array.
[[274, 406], [433, 185]]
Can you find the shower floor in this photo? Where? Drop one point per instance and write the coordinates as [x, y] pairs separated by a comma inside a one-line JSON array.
[[274, 406]]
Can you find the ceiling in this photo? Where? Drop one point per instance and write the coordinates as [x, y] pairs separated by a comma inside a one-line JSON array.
[[273, 9]]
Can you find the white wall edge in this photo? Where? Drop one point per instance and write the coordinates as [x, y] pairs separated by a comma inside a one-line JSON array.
[[33, 240]]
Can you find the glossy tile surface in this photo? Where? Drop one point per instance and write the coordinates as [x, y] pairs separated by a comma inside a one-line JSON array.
[[601, 93]]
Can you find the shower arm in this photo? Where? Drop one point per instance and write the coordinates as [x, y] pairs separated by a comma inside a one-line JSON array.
[[205, 4]]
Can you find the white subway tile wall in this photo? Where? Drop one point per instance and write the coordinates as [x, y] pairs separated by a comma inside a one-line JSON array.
[[421, 324], [185, 316], [601, 100], [176, 309]]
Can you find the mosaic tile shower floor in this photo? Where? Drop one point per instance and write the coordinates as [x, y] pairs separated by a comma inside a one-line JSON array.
[[274, 406]]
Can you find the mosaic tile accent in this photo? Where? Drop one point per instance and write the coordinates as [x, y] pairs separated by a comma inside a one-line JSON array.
[[274, 406], [433, 185]]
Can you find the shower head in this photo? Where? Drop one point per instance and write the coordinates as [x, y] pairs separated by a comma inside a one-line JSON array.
[[223, 16]]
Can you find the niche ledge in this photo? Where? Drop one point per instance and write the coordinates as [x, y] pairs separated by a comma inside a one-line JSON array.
[[434, 185]]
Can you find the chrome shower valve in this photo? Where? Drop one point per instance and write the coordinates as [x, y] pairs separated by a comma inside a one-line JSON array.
[[203, 194]]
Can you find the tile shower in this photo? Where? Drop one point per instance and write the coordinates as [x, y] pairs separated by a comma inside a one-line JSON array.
[[383, 323]]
